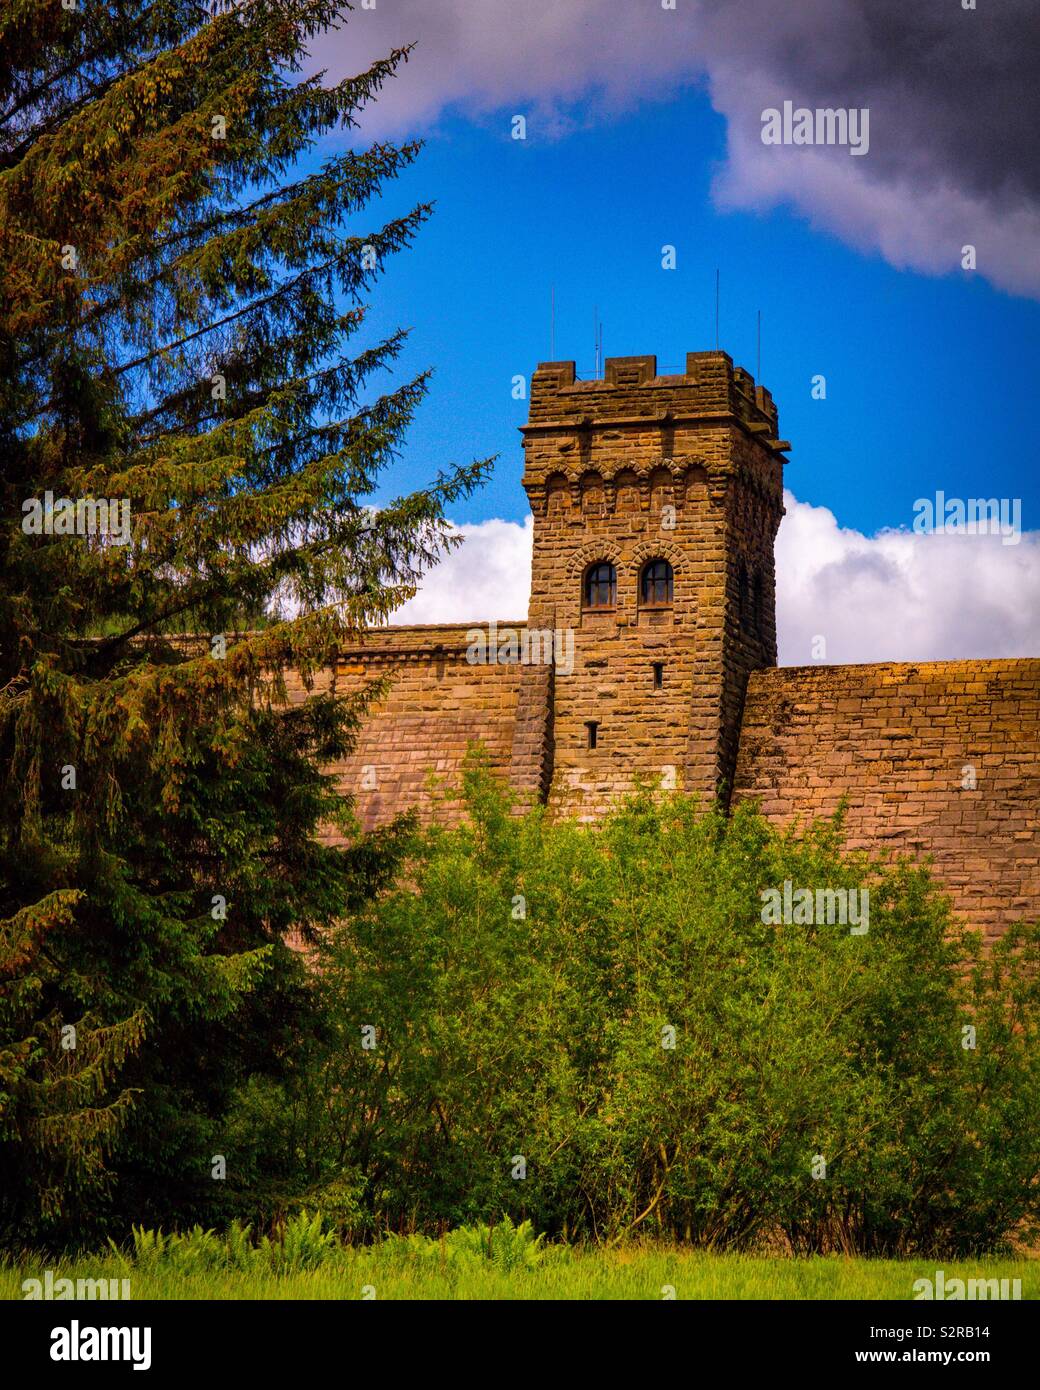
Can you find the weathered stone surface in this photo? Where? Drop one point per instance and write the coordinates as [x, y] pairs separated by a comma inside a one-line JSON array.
[[411, 746], [627, 470], [637, 467], [940, 758]]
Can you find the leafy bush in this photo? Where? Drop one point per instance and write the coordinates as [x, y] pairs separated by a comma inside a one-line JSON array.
[[525, 986], [302, 1243]]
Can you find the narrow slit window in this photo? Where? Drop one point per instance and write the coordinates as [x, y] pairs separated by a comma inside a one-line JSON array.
[[592, 730], [658, 675]]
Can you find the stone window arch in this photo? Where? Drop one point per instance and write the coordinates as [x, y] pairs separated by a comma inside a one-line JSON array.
[[626, 491], [696, 483]]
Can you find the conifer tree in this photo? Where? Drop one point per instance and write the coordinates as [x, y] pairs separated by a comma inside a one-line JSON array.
[[190, 425]]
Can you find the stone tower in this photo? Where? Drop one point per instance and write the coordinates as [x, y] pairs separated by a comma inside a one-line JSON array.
[[656, 502]]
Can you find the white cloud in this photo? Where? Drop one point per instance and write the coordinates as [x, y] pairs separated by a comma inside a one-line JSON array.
[[474, 56], [902, 595], [487, 576], [915, 224], [896, 596]]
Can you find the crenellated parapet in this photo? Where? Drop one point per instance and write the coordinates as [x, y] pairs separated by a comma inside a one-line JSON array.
[[611, 442], [710, 386]]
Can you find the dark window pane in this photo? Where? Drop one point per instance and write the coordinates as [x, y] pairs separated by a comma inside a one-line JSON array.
[[600, 586], [657, 584]]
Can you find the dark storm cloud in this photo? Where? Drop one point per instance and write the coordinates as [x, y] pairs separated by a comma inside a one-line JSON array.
[[954, 95]]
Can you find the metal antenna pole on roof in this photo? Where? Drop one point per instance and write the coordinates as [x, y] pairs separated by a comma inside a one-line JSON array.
[[552, 323], [716, 308], [758, 364]]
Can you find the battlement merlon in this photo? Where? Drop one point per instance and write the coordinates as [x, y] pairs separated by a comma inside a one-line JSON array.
[[630, 392]]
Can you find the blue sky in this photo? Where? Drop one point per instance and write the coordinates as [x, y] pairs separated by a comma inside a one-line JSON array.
[[931, 381], [644, 129]]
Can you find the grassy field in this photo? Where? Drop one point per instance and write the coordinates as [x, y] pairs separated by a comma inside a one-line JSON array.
[[635, 1272]]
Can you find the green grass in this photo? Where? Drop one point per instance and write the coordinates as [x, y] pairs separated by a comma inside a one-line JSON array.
[[396, 1270]]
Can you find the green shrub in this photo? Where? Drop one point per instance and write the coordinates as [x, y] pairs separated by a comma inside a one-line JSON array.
[[241, 1253], [524, 985], [502, 1245], [302, 1243]]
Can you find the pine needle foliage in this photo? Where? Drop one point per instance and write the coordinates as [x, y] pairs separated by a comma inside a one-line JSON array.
[[189, 237]]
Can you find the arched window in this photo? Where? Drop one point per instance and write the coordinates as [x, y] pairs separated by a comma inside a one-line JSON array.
[[656, 585], [600, 590]]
